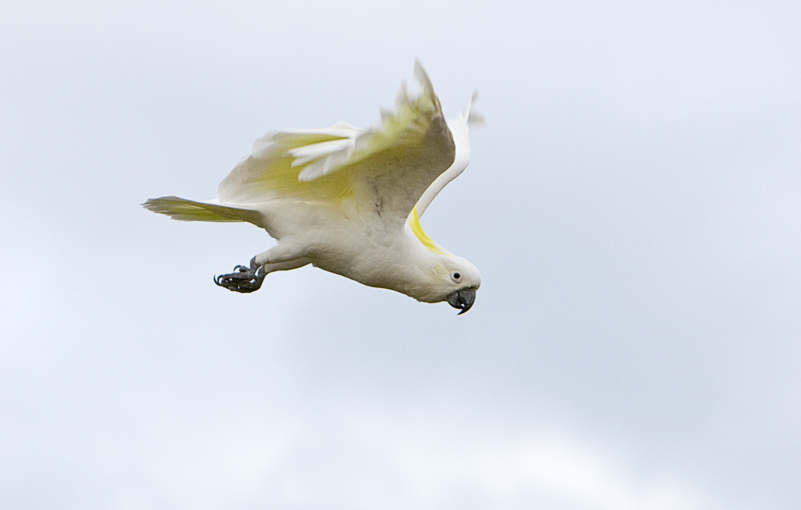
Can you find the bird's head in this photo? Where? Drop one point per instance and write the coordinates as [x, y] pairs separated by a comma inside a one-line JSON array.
[[446, 277], [456, 281]]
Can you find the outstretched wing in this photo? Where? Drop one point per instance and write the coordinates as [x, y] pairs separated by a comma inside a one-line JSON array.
[[460, 130], [383, 170]]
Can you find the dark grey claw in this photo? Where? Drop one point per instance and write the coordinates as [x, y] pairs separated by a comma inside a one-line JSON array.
[[245, 279]]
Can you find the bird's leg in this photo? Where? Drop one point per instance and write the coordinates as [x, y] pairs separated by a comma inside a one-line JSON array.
[[285, 256], [243, 279]]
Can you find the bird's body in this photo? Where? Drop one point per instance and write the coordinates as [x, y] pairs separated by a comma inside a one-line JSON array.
[[348, 201]]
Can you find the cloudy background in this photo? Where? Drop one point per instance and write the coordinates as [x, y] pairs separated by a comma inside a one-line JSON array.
[[633, 204]]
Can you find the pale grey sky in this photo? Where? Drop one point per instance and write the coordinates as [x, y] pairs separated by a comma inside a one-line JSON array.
[[633, 206]]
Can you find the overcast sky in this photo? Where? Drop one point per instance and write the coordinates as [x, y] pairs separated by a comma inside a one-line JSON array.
[[633, 204]]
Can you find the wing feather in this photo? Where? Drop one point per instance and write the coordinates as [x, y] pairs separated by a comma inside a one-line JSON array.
[[386, 168], [460, 129]]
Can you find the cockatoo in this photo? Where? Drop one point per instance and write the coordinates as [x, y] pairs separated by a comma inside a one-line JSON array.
[[349, 201]]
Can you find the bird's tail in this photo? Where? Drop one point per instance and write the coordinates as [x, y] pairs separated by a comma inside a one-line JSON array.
[[190, 210]]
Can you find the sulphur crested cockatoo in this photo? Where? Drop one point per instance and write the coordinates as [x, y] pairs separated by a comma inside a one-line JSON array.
[[349, 201]]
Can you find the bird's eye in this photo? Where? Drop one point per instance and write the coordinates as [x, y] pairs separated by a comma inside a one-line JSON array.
[[456, 276]]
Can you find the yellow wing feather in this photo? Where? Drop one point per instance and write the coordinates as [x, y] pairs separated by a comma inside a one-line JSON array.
[[388, 167]]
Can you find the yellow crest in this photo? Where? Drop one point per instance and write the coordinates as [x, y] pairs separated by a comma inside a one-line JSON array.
[[429, 243]]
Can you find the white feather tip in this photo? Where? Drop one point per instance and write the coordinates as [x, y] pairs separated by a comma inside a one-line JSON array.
[[471, 116], [403, 95], [422, 77]]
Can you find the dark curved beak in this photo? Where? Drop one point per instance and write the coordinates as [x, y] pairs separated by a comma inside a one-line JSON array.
[[462, 299]]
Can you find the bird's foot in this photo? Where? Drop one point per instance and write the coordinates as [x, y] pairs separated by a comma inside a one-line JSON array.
[[244, 279]]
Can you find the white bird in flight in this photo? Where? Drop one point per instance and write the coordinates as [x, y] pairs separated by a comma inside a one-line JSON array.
[[349, 201]]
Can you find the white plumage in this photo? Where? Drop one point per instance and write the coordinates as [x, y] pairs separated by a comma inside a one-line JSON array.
[[348, 200]]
